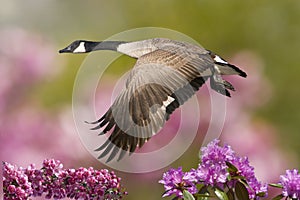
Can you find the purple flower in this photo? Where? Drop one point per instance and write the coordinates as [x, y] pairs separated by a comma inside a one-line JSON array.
[[55, 182], [212, 168], [291, 184], [219, 167], [175, 181], [247, 171]]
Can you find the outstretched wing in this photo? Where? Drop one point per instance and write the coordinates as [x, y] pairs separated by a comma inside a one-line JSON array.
[[159, 83]]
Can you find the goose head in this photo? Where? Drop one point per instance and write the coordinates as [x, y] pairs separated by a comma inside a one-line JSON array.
[[80, 46]]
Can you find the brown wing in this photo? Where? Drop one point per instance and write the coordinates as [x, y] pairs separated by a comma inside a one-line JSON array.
[[159, 83]]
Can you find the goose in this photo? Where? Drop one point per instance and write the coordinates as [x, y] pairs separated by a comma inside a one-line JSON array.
[[166, 74]]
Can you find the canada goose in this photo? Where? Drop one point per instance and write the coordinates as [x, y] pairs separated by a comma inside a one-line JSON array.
[[166, 74]]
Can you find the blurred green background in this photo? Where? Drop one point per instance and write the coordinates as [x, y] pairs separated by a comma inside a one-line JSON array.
[[271, 29]]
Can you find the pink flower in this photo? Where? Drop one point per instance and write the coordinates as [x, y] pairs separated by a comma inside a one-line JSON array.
[[25, 59], [56, 182]]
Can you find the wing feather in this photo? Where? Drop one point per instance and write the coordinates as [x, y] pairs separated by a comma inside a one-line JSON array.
[[159, 83]]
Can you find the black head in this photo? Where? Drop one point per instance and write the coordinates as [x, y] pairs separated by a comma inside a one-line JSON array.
[[79, 46]]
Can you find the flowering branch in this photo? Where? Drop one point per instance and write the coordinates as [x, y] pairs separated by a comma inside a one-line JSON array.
[[223, 175], [56, 182]]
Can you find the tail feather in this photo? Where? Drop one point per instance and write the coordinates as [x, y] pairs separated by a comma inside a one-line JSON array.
[[226, 68], [220, 85], [229, 69]]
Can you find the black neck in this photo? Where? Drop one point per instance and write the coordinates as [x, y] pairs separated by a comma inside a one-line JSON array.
[[103, 45]]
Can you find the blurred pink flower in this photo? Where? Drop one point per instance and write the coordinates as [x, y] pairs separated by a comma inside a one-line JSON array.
[[29, 133], [251, 137], [29, 53], [25, 59], [253, 91]]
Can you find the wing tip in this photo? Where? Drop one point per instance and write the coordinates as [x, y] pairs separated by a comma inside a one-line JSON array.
[[243, 74], [102, 146], [94, 122], [240, 72]]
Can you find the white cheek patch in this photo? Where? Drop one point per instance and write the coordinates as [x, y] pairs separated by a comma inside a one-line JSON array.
[[219, 60], [168, 101], [80, 48]]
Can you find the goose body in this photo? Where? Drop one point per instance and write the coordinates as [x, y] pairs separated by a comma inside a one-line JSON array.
[[166, 74]]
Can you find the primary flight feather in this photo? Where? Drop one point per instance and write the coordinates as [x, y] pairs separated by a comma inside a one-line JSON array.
[[166, 74]]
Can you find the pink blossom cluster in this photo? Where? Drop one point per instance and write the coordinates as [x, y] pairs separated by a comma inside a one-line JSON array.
[[53, 181]]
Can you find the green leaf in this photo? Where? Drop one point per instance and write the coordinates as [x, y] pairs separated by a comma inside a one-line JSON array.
[[203, 193], [278, 197], [231, 168], [238, 177], [203, 190], [241, 191], [230, 194], [275, 185], [202, 196], [221, 194], [187, 195], [261, 194], [244, 181]]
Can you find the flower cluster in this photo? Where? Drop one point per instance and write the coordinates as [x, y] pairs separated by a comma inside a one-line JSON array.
[[213, 168], [53, 181], [220, 170], [175, 181], [15, 183], [290, 183]]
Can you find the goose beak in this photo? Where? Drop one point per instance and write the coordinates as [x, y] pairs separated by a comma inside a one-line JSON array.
[[65, 50]]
